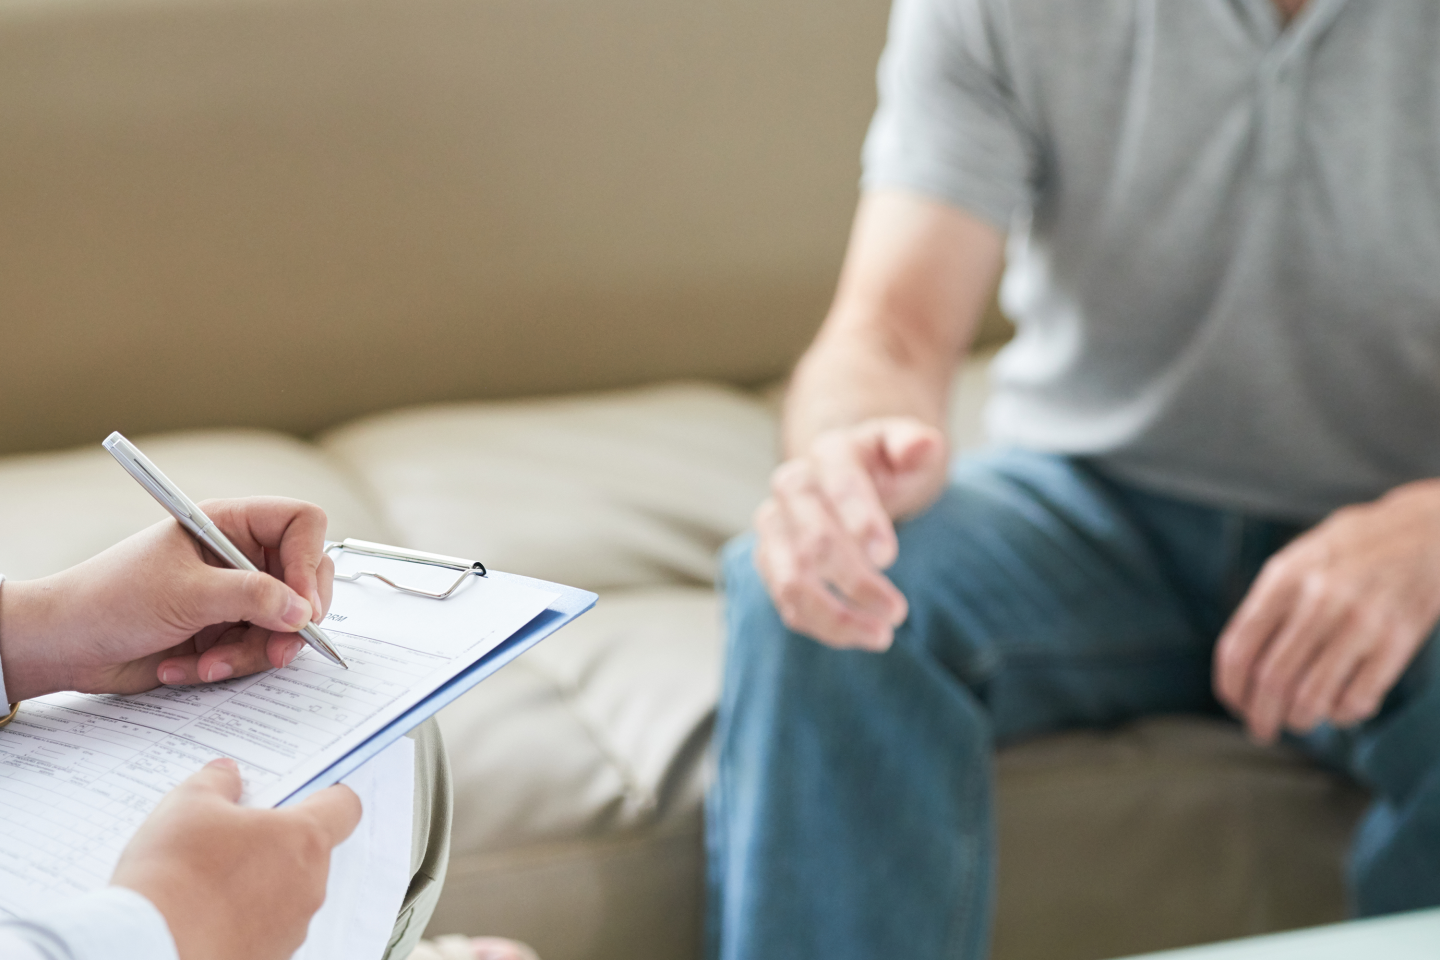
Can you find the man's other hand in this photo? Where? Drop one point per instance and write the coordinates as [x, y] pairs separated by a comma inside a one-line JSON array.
[[157, 608], [827, 530], [235, 883], [1335, 617]]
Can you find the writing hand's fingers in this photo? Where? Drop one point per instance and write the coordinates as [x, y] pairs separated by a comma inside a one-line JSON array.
[[308, 570], [851, 492], [1317, 698], [290, 529], [334, 812], [1251, 628], [324, 586], [181, 667], [325, 591], [1374, 678], [242, 650], [825, 549], [1311, 623], [804, 603], [219, 595], [219, 778]]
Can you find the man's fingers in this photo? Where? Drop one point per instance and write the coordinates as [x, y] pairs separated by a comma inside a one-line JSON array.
[[221, 596], [826, 618], [1278, 670], [335, 811], [909, 444], [827, 531], [811, 552], [1318, 695], [803, 601], [219, 777], [850, 490], [825, 550], [906, 461], [1374, 678], [1261, 613]]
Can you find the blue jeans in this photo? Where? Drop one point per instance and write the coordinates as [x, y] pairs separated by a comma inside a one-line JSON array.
[[851, 815]]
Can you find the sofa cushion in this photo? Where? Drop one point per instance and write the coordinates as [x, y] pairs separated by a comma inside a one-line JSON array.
[[619, 706], [57, 509], [1170, 831], [602, 491]]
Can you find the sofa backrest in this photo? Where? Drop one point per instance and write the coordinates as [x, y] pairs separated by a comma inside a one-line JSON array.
[[285, 213]]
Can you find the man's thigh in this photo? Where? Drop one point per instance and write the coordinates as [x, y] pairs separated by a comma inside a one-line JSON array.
[[1037, 585]]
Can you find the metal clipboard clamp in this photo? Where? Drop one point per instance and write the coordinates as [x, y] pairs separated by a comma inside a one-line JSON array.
[[365, 548]]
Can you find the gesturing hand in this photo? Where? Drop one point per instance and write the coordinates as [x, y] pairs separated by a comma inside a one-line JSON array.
[[155, 608], [235, 883], [1335, 617], [827, 529]]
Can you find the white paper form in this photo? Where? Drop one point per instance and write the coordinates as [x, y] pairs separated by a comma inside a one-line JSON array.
[[370, 871], [78, 773]]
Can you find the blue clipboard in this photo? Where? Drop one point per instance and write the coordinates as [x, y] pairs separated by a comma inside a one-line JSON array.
[[570, 603]]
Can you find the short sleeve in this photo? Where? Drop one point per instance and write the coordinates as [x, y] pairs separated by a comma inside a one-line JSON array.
[[949, 124]]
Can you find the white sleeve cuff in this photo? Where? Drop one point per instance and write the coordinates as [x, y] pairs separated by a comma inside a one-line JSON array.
[[113, 923], [13, 946], [2, 666]]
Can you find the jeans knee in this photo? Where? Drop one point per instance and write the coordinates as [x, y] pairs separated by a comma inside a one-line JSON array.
[[750, 615], [737, 563]]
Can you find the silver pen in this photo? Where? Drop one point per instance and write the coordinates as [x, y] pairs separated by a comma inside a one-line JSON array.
[[201, 527]]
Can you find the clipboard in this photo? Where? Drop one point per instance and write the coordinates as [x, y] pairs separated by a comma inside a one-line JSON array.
[[570, 603]]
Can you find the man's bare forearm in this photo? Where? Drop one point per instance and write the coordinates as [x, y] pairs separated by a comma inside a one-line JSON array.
[[916, 280], [854, 374], [864, 419]]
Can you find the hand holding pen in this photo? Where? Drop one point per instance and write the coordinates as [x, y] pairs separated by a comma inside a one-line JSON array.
[[155, 609], [203, 529]]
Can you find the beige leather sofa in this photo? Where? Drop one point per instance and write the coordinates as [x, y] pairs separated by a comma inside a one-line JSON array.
[[319, 248]]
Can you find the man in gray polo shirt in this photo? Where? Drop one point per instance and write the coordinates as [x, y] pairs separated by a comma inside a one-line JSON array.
[[1218, 436]]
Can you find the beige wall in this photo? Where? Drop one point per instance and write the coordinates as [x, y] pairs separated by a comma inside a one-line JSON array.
[[287, 213]]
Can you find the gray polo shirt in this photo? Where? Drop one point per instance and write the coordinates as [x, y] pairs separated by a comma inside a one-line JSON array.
[[1224, 255]]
